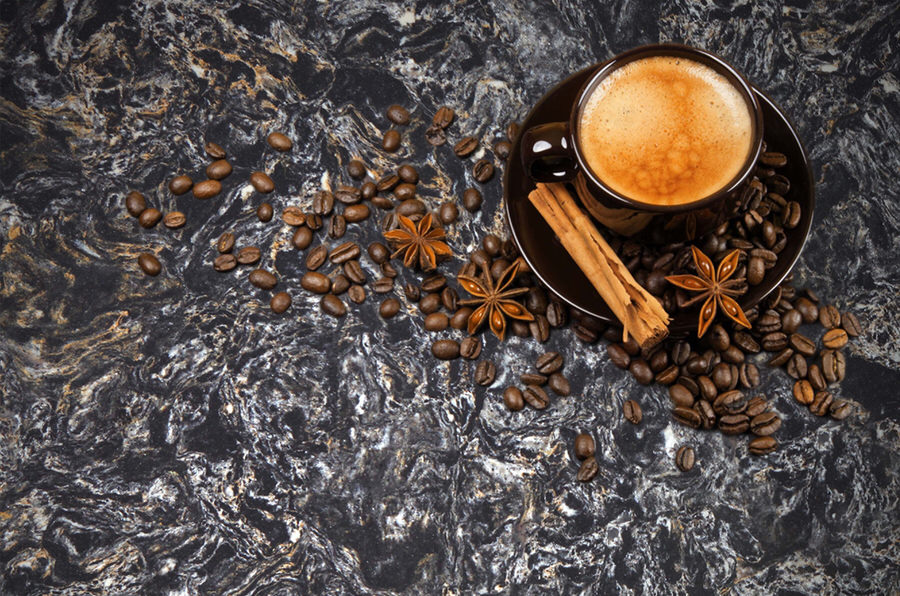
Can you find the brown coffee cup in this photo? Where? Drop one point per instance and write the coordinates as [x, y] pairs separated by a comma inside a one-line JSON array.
[[703, 176]]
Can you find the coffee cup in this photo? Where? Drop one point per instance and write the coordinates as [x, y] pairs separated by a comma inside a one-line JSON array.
[[661, 143]]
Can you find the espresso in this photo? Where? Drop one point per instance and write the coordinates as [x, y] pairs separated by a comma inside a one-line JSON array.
[[665, 130]]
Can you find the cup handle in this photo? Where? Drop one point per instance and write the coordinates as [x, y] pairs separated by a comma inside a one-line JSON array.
[[548, 153]]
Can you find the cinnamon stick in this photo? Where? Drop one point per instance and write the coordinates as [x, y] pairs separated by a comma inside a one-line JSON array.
[[641, 314]]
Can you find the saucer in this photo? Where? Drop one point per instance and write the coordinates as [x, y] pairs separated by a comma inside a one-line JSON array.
[[555, 268]]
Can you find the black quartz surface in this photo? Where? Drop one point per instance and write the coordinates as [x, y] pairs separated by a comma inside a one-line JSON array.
[[172, 435]]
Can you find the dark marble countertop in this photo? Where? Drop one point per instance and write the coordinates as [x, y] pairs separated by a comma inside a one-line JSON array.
[[173, 435]]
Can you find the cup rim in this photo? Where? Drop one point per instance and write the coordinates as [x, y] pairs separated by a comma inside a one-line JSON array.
[[690, 52]]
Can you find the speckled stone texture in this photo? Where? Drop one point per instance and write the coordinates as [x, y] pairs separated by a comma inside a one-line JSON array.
[[173, 435]]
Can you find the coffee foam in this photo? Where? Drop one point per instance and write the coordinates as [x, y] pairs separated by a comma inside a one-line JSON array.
[[665, 130]]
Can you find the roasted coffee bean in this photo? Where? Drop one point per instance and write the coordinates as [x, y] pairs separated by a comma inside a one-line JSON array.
[[430, 303], [839, 409], [536, 397], [631, 346], [262, 279], [444, 117], [513, 399], [782, 357], [641, 371], [224, 262], [745, 342], [718, 338], [734, 424], [248, 255], [316, 257], [584, 446], [756, 271], [773, 159], [829, 317], [354, 272], [356, 169], [802, 344], [405, 191], [680, 396], [434, 283], [340, 284], [293, 216], [791, 321], [470, 347], [383, 285], [218, 170], [680, 352], [540, 328], [707, 389], [180, 184], [302, 238], [498, 267], [264, 212], [512, 131], [834, 365], [816, 378], [667, 376], [791, 215], [585, 334], [435, 135], [483, 170], [348, 195], [808, 309], [323, 202], [687, 417], [756, 406], [632, 411], [559, 384], [344, 252], [803, 392], [436, 321], [472, 200], [408, 174], [368, 190], [696, 365], [749, 375], [445, 349], [411, 207], [465, 147], [588, 470], [835, 339], [821, 403], [390, 142], [721, 376], [502, 149], [765, 424], [485, 373], [214, 150], [135, 203], [769, 322], [280, 302], [531, 378], [774, 342], [460, 318], [279, 141], [315, 282], [549, 363], [356, 213], [763, 445], [448, 212], [850, 324], [174, 219], [149, 264], [733, 355], [149, 217], [388, 308], [706, 413], [730, 402], [797, 367], [378, 252], [332, 305], [261, 182], [412, 292], [313, 221], [398, 115], [690, 384], [618, 355], [387, 182], [356, 293], [337, 226], [659, 360], [556, 314], [536, 300], [684, 458], [449, 299]]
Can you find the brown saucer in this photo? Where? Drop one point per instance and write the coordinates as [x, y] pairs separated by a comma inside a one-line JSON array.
[[555, 268]]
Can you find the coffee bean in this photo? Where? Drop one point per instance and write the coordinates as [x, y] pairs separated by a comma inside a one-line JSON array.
[[556, 314], [448, 212], [180, 184], [280, 302], [465, 147], [430, 303], [559, 384], [337, 226], [444, 117], [248, 255], [684, 458], [354, 272], [707, 389], [389, 308], [668, 375], [803, 392], [540, 328], [839, 409], [791, 321], [549, 363], [344, 252], [224, 262], [769, 322], [483, 170], [632, 411], [816, 378], [513, 399], [348, 195], [497, 269], [687, 417], [734, 424], [733, 355], [149, 264], [765, 423], [265, 212], [218, 170], [411, 208], [829, 317], [730, 402], [502, 149], [833, 365], [449, 299], [302, 238], [618, 355], [356, 293], [690, 384], [135, 203], [339, 284], [756, 406], [436, 321], [536, 397], [356, 169], [435, 135], [279, 141], [802, 344], [405, 191], [584, 446], [774, 342], [149, 217], [782, 358], [821, 403], [680, 396], [317, 256], [412, 292], [835, 339], [262, 279], [763, 445], [718, 338], [174, 219], [680, 352], [332, 305], [485, 373], [315, 282], [214, 151], [512, 131], [796, 367], [388, 270], [706, 413], [749, 375], [745, 342], [368, 191], [696, 365], [383, 285], [261, 182], [721, 376], [390, 142], [531, 378], [850, 324], [378, 252], [460, 318], [445, 349], [588, 470], [756, 271], [808, 310], [469, 347], [313, 221], [323, 202]]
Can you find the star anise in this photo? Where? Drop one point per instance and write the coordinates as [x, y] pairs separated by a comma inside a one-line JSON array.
[[715, 286], [494, 300], [420, 241]]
